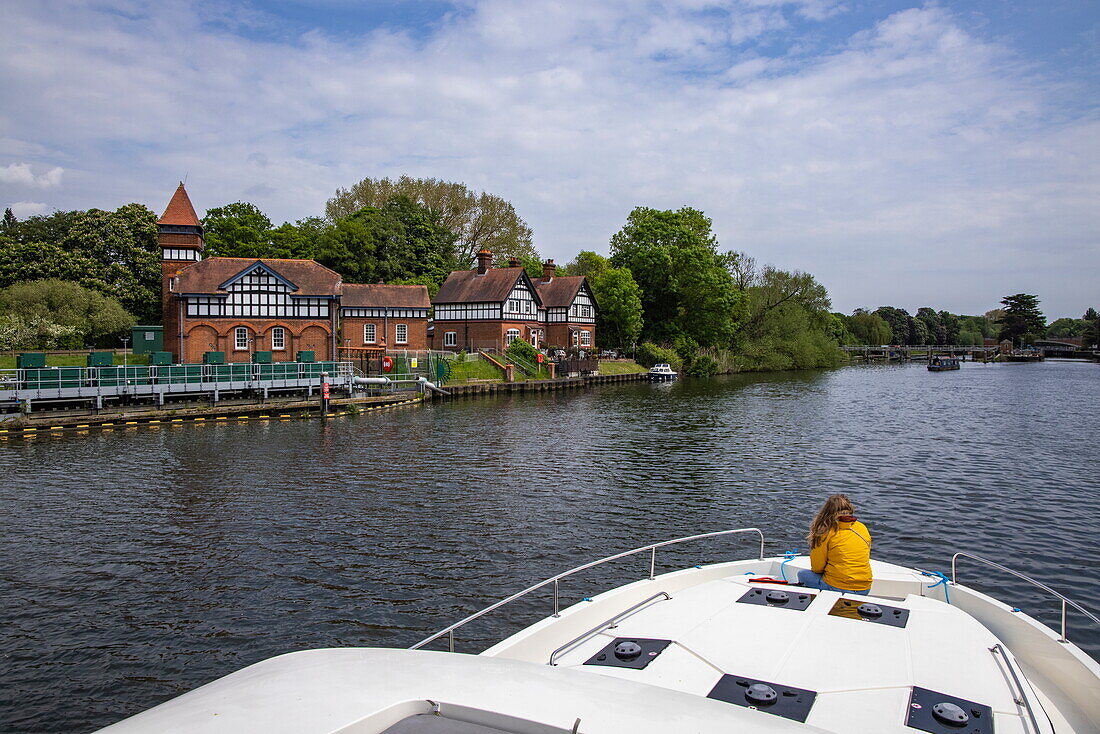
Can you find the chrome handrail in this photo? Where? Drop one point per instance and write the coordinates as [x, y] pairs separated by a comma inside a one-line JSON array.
[[606, 624], [449, 631], [1031, 581], [1023, 699]]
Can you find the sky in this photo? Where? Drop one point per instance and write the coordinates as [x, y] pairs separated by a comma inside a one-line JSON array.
[[905, 154]]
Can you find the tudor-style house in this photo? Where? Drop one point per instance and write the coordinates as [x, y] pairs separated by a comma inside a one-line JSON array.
[[489, 308], [384, 316], [241, 306]]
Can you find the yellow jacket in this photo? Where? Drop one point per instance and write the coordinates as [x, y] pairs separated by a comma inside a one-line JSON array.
[[844, 557]]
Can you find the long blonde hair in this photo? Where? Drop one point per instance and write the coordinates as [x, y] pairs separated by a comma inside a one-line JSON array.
[[828, 517]]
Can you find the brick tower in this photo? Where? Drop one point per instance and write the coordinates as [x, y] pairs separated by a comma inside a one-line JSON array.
[[179, 232]]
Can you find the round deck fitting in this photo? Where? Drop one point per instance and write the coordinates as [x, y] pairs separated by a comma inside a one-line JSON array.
[[870, 610], [761, 693], [950, 714], [627, 649], [778, 597]]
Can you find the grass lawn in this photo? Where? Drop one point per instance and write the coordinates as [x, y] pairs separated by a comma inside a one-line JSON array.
[[73, 360], [626, 367], [477, 370]]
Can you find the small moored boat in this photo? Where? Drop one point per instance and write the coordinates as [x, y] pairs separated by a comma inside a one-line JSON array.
[[661, 373], [943, 364]]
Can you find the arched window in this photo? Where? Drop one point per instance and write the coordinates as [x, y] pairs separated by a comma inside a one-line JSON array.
[[510, 336], [278, 338], [240, 338]]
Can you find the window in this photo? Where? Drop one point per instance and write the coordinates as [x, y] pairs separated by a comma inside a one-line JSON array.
[[240, 336], [402, 334], [513, 306], [369, 333], [586, 338], [510, 336], [278, 338], [586, 311], [450, 338]]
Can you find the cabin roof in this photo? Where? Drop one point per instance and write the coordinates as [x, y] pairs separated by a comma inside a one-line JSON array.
[[211, 275], [366, 295], [466, 286]]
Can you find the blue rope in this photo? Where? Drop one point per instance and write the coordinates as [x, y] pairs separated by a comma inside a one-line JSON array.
[[943, 581], [790, 556]]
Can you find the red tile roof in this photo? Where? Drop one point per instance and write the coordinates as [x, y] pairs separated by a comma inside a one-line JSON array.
[[180, 211], [466, 286], [560, 291], [311, 278], [358, 295]]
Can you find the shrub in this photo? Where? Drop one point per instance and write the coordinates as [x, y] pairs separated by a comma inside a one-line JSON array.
[[650, 354], [523, 351], [703, 366]]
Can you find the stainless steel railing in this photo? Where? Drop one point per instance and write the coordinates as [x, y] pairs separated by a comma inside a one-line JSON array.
[[606, 624], [652, 548], [1031, 581]]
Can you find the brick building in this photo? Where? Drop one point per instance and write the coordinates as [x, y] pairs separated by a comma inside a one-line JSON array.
[[489, 308], [240, 306], [384, 316]]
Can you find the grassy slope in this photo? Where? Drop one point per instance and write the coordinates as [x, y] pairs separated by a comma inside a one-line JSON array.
[[626, 367]]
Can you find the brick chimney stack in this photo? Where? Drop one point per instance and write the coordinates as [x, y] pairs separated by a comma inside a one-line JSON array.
[[513, 262], [549, 269], [484, 261]]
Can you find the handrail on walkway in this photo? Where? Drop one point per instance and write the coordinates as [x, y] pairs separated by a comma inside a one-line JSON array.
[[652, 548], [1031, 581]]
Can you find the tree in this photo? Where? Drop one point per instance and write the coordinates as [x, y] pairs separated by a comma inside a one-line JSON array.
[[933, 324], [23, 261], [9, 221], [1091, 336], [951, 327], [686, 288], [1022, 319], [869, 328], [239, 229], [1064, 327], [587, 263], [93, 317], [898, 320], [619, 316], [479, 220]]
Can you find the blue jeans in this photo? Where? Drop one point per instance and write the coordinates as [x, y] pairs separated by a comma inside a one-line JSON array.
[[808, 578]]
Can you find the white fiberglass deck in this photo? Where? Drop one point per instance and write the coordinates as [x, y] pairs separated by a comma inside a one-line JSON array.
[[857, 676]]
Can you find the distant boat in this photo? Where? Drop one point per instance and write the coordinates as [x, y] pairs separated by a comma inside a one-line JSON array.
[[661, 373], [942, 364]]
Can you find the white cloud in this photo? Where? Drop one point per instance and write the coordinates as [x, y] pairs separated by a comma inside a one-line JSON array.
[[899, 167], [20, 174], [24, 209]]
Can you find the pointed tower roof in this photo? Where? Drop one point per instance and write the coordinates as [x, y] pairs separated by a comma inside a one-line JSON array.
[[180, 211]]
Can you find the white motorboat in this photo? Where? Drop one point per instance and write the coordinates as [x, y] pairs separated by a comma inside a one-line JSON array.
[[706, 649], [662, 373]]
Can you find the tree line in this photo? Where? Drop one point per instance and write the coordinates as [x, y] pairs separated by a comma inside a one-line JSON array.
[[1018, 320]]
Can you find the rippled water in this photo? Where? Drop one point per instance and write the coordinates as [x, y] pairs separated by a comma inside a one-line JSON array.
[[139, 564]]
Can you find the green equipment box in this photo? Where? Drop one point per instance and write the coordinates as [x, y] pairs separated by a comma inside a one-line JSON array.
[[306, 356], [160, 359], [261, 358], [147, 339], [213, 358], [101, 359], [30, 360]]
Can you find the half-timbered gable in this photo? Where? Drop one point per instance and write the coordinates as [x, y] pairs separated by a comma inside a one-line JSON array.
[[384, 316], [570, 309]]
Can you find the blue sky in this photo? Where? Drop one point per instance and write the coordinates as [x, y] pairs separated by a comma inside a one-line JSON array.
[[907, 154]]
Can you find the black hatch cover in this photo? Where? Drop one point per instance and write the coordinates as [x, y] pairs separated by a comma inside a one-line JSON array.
[[629, 652], [940, 713], [870, 611], [786, 701], [781, 598]]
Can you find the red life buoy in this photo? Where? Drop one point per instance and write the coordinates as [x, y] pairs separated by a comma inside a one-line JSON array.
[[387, 364]]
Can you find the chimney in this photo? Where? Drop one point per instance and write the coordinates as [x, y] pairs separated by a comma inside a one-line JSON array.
[[484, 261], [513, 262], [548, 271]]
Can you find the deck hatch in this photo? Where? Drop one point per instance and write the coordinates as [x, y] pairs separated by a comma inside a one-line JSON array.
[[779, 598], [870, 611], [939, 713], [775, 698], [629, 652]]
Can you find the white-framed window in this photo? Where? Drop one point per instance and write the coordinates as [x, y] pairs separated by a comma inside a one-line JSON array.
[[370, 332], [574, 337], [510, 336], [402, 334], [586, 311], [527, 306], [278, 338], [450, 338], [586, 338], [240, 338], [513, 306]]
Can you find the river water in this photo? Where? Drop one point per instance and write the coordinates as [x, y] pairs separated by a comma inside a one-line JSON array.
[[139, 564]]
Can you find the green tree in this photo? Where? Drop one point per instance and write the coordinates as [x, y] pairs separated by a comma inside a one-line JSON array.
[[1022, 319], [9, 221], [479, 220], [686, 288], [619, 316], [933, 324], [587, 263], [239, 229], [951, 327], [869, 328], [93, 317], [1065, 327], [1090, 338], [23, 261], [898, 320]]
